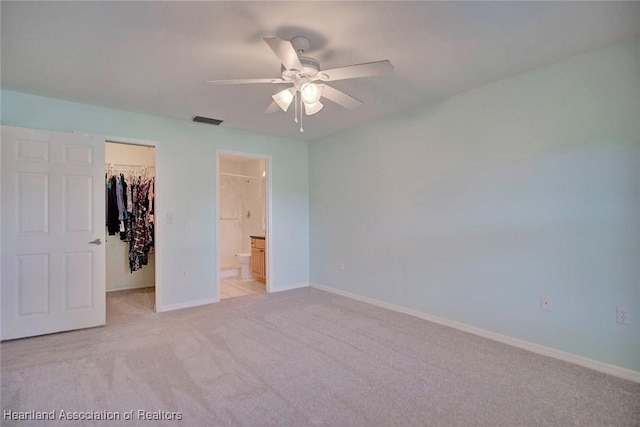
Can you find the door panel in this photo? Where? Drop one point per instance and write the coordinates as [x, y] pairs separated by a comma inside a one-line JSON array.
[[53, 277], [33, 203], [78, 197], [33, 284], [78, 273], [36, 151]]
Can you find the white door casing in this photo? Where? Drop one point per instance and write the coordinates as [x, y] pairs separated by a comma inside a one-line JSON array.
[[53, 212]]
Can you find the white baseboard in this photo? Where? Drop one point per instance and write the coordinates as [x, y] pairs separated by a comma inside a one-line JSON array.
[[289, 287], [596, 365], [128, 288], [180, 306]]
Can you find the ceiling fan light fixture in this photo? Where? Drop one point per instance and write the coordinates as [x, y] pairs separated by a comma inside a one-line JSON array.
[[311, 93], [311, 109], [283, 99]]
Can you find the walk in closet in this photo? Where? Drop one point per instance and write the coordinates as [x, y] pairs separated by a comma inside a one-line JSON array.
[[130, 222]]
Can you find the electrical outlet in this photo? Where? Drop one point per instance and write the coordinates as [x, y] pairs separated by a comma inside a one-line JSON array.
[[545, 303], [341, 266], [623, 316]]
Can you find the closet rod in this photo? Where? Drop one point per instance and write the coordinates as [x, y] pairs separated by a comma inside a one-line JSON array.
[[238, 175], [111, 165]]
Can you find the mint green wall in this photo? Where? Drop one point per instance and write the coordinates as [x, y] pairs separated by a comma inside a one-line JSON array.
[[473, 207], [186, 180]]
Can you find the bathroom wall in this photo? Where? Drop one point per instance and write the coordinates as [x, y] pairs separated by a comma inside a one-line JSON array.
[[230, 213], [241, 207], [254, 224], [118, 274]]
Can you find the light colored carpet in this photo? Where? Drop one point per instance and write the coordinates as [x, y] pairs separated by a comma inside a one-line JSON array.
[[299, 358]]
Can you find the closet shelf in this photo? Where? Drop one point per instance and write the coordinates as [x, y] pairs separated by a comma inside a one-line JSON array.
[[115, 168]]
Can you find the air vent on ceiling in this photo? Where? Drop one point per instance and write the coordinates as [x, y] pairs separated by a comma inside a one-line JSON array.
[[207, 120]]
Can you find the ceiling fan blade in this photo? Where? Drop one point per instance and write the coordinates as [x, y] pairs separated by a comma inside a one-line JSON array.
[[244, 81], [354, 71], [340, 98], [285, 51]]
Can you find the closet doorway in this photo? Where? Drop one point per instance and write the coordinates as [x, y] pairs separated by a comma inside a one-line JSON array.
[[243, 212], [130, 230]]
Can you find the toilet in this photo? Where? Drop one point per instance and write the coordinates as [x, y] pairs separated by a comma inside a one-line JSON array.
[[244, 259]]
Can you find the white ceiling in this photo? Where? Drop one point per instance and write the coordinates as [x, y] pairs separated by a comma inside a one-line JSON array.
[[153, 57]]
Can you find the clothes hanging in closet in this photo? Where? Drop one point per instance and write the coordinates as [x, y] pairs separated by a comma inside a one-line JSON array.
[[130, 213], [141, 228]]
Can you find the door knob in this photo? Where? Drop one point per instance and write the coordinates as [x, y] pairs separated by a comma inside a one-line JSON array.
[[96, 242]]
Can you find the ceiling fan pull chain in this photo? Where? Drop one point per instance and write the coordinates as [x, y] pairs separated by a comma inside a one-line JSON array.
[[301, 129], [295, 102]]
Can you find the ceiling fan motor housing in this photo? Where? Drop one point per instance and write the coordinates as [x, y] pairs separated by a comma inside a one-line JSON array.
[[309, 65], [310, 68], [300, 44]]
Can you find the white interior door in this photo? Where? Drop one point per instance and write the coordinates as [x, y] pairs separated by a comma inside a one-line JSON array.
[[53, 223]]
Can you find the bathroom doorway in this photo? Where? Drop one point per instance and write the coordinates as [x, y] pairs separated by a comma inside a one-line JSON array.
[[243, 216]]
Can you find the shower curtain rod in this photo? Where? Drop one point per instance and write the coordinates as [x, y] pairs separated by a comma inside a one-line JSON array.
[[238, 175]]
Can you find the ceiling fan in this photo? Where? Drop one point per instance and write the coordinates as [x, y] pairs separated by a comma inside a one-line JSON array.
[[307, 80]]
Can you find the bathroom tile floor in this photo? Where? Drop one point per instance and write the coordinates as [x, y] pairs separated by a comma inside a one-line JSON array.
[[235, 287]]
